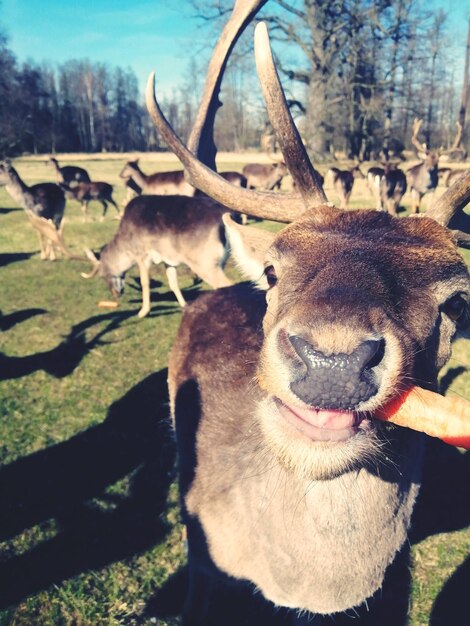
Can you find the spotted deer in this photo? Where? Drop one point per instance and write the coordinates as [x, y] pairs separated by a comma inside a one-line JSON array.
[[297, 492], [424, 177]]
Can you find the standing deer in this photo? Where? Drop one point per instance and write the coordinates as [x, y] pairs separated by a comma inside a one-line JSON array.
[[424, 177], [44, 200], [86, 192], [160, 183], [264, 176], [343, 182], [170, 230], [69, 173], [388, 186], [298, 492]]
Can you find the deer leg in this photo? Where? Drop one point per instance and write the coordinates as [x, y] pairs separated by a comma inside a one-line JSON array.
[[50, 249], [42, 246], [173, 283], [105, 208], [145, 283], [415, 201]]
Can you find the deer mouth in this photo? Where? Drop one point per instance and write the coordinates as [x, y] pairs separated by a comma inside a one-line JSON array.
[[321, 424]]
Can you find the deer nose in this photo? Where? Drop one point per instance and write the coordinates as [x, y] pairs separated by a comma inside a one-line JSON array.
[[337, 381]]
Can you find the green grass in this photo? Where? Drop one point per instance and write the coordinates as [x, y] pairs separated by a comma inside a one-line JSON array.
[[92, 530]]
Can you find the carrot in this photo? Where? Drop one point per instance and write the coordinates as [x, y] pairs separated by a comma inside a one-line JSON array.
[[108, 304], [428, 412]]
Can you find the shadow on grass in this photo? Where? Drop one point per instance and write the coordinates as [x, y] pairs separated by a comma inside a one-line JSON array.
[[189, 293], [449, 377], [10, 320], [451, 607], [6, 258], [5, 211], [60, 481], [64, 358]]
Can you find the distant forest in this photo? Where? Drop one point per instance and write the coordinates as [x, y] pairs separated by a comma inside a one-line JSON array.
[[357, 73]]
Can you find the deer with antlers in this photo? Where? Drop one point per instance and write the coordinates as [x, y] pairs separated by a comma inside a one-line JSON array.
[[424, 177], [44, 204], [299, 492]]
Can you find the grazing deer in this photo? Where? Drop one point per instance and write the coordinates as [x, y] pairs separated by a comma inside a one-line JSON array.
[[69, 173], [264, 176], [86, 192], [297, 490], [170, 230], [160, 183], [424, 177], [44, 200], [343, 182], [388, 186]]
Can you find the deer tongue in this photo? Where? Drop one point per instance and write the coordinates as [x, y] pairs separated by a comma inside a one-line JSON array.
[[321, 424]]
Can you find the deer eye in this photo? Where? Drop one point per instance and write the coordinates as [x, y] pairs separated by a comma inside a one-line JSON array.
[[270, 274], [455, 307]]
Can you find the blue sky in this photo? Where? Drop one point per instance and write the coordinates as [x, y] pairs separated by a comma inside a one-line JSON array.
[[145, 35]]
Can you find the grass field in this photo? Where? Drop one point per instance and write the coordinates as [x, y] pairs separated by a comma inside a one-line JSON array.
[[89, 522]]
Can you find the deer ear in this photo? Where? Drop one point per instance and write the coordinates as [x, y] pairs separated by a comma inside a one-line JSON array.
[[249, 246]]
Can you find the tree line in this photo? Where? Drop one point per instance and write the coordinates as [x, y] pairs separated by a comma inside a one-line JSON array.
[[357, 73]]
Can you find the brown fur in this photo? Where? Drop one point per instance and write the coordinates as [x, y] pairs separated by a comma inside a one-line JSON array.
[[313, 525], [260, 176], [172, 230]]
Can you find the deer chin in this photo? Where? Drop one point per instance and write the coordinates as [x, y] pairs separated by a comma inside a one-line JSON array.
[[317, 444], [320, 424]]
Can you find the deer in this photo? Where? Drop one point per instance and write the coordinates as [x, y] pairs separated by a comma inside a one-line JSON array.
[[160, 183], [170, 230], [264, 176], [424, 177], [43, 200], [69, 173], [85, 192], [388, 186], [343, 182], [299, 493]]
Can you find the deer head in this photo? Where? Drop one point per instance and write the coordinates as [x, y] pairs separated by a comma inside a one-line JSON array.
[[309, 267]]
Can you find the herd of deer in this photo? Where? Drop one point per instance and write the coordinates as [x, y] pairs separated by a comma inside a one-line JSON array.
[[297, 492]]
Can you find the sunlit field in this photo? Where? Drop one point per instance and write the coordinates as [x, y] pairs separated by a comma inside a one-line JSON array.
[[89, 521]]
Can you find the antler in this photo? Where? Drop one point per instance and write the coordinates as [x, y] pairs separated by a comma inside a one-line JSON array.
[[455, 145], [421, 147], [267, 205], [292, 148], [201, 141], [451, 203]]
